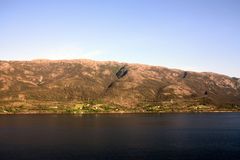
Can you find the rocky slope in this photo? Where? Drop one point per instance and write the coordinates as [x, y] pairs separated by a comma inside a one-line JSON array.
[[129, 86]]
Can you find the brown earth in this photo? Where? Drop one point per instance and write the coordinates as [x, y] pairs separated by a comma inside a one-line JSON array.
[[122, 84]]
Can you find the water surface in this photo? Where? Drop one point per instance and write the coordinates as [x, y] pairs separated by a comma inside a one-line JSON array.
[[121, 136]]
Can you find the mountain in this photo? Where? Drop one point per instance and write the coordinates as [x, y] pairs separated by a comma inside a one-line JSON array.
[[79, 86]]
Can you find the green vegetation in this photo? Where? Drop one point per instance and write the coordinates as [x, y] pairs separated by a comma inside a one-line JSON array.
[[98, 106], [34, 107], [201, 108]]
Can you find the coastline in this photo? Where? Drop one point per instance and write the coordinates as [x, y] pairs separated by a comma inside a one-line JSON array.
[[127, 112], [97, 107]]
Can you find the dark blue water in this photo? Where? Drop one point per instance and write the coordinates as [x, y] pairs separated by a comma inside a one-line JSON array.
[[121, 136]]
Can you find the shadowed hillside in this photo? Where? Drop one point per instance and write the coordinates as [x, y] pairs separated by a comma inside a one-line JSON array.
[[85, 85]]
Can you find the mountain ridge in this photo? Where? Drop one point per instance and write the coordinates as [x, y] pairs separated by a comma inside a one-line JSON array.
[[113, 61], [122, 86]]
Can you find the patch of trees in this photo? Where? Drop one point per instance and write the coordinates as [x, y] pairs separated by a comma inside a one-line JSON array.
[[235, 78], [206, 93], [122, 72], [110, 85], [238, 83], [185, 74]]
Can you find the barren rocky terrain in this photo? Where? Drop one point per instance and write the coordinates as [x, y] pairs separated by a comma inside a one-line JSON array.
[[86, 86]]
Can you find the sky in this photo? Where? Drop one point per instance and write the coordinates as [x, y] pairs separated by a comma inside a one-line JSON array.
[[196, 35]]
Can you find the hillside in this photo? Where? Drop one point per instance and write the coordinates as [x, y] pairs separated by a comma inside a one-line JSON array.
[[85, 86]]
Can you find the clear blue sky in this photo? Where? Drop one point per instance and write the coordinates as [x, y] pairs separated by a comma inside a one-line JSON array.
[[200, 35]]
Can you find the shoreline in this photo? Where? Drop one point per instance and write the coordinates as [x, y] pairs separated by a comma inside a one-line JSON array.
[[108, 113]]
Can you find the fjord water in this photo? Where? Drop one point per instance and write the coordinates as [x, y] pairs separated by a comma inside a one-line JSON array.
[[121, 136]]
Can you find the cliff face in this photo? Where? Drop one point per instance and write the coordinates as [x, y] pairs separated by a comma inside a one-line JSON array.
[[122, 84]]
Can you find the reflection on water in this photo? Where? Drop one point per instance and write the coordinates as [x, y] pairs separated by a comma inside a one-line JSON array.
[[121, 136]]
